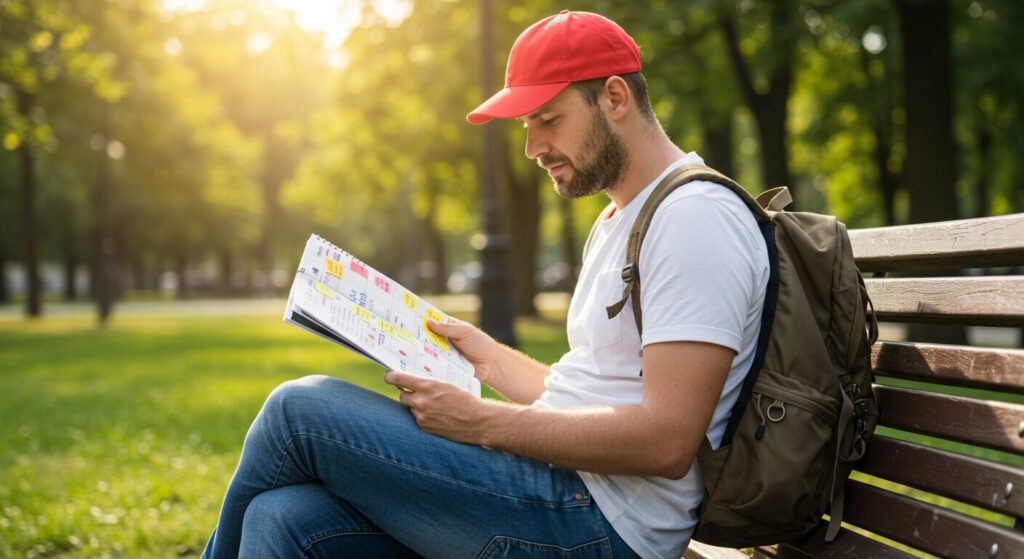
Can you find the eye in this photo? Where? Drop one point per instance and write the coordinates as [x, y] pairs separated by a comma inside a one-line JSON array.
[[549, 121]]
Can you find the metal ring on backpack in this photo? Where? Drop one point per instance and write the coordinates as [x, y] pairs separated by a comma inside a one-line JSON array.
[[777, 405]]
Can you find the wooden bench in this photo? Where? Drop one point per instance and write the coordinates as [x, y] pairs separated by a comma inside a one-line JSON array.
[[944, 473]]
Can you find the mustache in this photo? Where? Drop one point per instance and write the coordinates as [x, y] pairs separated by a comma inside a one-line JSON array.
[[552, 161]]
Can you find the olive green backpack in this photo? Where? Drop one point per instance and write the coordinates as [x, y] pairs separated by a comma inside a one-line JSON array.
[[806, 409]]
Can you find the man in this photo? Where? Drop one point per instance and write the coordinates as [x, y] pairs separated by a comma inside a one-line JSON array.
[[591, 457]]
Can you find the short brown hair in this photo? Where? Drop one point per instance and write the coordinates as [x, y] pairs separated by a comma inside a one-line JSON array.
[[637, 84]]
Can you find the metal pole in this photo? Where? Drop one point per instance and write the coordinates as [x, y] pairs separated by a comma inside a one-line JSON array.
[[495, 304]]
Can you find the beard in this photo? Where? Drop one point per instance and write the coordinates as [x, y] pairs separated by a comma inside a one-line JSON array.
[[602, 161]]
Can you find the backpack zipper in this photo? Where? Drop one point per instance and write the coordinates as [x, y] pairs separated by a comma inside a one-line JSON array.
[[799, 400], [789, 397], [757, 405]]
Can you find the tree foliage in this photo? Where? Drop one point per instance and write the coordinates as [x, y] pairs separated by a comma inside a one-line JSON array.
[[226, 132]]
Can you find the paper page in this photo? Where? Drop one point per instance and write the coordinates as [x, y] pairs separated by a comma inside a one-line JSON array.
[[360, 307]]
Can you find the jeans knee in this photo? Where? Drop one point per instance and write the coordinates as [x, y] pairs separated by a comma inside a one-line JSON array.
[[290, 400], [290, 391], [265, 523], [263, 512]]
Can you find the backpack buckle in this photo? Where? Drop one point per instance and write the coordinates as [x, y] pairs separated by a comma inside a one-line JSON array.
[[629, 273]]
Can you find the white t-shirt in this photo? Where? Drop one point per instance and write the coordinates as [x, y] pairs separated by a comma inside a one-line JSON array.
[[704, 271]]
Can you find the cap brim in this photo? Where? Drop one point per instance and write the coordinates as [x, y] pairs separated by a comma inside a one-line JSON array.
[[515, 101]]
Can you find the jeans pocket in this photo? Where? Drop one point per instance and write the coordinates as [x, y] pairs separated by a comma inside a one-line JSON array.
[[513, 548]]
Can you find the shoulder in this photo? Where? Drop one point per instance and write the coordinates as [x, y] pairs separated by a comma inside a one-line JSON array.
[[707, 210]]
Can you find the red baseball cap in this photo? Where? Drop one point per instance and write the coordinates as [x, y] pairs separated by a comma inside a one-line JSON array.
[[553, 53]]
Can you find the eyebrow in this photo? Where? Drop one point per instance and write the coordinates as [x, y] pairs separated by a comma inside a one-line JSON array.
[[535, 114]]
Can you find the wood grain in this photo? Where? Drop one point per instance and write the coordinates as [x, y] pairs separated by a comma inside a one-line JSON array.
[[979, 301], [970, 480], [994, 369], [947, 245], [927, 527], [984, 423]]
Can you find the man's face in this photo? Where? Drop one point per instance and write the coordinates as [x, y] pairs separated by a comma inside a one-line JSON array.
[[573, 141]]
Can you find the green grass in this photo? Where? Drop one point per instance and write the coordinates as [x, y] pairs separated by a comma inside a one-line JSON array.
[[120, 442]]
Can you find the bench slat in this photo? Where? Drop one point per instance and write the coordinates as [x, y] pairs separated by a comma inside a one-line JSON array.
[[994, 369], [979, 301], [947, 245], [927, 527], [847, 545], [981, 422], [964, 478]]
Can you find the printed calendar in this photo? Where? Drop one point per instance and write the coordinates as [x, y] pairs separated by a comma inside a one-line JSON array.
[[346, 301]]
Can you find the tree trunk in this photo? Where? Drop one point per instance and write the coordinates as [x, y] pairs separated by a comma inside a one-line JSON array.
[[181, 269], [70, 253], [33, 302], [104, 246], [412, 244], [524, 198], [929, 171], [5, 293], [983, 185], [137, 272], [888, 181], [718, 144], [225, 271], [880, 116], [769, 107], [771, 126], [272, 175], [569, 245], [496, 316], [70, 272], [435, 240]]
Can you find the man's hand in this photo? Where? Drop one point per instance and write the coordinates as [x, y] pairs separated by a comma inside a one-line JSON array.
[[442, 409], [518, 377], [480, 349]]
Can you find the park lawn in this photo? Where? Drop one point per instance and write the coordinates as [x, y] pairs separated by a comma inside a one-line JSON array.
[[120, 442]]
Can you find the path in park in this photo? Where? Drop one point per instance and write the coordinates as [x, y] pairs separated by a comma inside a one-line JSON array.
[[547, 302], [554, 303]]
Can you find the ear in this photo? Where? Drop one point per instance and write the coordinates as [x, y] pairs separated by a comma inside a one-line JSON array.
[[619, 97]]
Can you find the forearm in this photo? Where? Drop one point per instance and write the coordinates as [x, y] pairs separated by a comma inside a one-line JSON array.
[[517, 376], [611, 440]]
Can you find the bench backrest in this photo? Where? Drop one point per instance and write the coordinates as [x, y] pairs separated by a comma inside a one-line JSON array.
[[944, 474]]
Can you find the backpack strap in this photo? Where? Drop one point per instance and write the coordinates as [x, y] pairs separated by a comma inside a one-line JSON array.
[[678, 177], [775, 199], [590, 236]]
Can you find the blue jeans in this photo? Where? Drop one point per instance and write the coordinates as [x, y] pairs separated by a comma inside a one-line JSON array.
[[330, 469]]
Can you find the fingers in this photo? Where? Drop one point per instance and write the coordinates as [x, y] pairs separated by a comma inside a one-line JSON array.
[[407, 400], [403, 381], [451, 329]]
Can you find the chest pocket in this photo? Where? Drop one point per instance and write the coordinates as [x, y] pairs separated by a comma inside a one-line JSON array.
[[601, 330]]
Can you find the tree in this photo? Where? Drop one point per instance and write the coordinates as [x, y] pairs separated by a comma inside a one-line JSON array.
[[396, 140], [766, 82], [42, 41]]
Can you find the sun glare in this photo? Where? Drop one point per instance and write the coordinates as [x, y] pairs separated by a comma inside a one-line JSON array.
[[334, 18]]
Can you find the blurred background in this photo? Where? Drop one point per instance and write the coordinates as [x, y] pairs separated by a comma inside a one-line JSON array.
[[162, 163], [174, 149]]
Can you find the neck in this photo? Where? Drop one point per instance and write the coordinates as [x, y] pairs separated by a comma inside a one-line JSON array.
[[648, 157]]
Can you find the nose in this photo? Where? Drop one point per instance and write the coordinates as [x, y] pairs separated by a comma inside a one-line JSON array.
[[536, 146]]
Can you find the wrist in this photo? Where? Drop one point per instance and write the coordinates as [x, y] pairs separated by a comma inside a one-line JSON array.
[[495, 368], [494, 419]]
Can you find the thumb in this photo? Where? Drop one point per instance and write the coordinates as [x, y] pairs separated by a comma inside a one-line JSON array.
[[447, 329]]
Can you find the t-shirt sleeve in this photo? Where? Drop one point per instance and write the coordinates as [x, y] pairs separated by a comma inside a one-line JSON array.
[[698, 272]]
